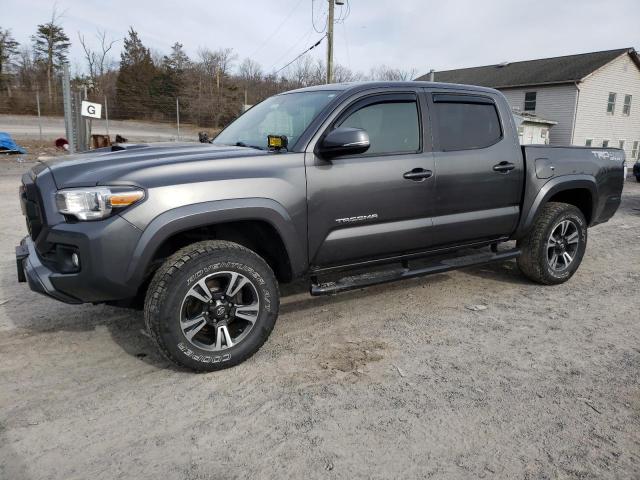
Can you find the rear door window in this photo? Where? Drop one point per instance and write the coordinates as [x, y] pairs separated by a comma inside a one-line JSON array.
[[464, 125]]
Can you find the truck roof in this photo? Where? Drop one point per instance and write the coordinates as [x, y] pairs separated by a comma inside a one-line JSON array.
[[359, 86]]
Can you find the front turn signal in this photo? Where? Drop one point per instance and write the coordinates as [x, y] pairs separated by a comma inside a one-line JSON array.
[[124, 199]]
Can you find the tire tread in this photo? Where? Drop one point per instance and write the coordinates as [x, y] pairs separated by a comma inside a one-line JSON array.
[[529, 262], [159, 288]]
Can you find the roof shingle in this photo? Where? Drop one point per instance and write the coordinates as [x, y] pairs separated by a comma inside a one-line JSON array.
[[567, 69]]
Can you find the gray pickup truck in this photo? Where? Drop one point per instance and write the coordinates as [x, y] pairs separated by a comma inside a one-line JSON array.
[[346, 185]]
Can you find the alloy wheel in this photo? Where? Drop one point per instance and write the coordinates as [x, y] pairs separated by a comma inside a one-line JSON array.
[[562, 245], [219, 311]]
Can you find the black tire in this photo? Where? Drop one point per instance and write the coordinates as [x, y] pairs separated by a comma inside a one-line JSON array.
[[536, 260], [638, 178], [171, 290]]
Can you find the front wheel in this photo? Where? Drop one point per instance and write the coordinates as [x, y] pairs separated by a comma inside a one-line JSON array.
[[212, 305], [553, 249]]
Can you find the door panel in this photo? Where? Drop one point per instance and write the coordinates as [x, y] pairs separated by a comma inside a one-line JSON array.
[[396, 210], [478, 186], [363, 206]]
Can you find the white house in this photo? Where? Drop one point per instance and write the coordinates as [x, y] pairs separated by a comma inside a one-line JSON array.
[[593, 97]]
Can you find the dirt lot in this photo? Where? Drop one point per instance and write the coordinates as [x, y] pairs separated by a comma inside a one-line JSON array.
[[398, 381]]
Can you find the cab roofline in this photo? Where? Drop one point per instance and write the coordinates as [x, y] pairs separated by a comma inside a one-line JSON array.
[[361, 86]]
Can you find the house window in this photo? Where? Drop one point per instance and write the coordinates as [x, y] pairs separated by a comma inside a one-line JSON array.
[[605, 143], [634, 150], [588, 143], [611, 103], [626, 108], [530, 101], [621, 144]]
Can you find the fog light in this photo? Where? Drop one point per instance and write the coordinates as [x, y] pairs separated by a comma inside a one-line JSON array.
[[75, 260]]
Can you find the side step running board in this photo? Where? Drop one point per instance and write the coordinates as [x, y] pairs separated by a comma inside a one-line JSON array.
[[376, 278]]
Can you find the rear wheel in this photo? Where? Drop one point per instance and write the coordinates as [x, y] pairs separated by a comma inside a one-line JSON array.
[[553, 249], [212, 305]]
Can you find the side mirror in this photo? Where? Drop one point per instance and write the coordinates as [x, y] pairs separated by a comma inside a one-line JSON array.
[[344, 141]]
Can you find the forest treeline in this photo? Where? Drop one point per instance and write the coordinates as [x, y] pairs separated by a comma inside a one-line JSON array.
[[212, 86]]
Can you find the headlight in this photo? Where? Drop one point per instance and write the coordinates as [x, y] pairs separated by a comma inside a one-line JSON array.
[[96, 203]]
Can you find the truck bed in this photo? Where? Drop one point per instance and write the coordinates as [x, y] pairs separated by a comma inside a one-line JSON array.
[[597, 172]]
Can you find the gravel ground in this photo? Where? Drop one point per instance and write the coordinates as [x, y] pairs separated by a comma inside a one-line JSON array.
[[397, 381]]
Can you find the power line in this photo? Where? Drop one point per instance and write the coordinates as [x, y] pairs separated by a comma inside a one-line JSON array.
[[263, 44], [302, 40], [344, 12], [313, 19], [306, 51]]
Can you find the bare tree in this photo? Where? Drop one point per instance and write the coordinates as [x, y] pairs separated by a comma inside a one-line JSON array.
[[98, 61], [250, 71], [384, 72], [217, 63], [344, 74], [301, 73]]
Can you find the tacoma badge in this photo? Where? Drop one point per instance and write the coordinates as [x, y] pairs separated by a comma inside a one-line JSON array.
[[359, 218]]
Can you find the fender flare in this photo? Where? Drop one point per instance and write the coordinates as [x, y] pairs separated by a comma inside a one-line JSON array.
[[187, 217], [548, 190]]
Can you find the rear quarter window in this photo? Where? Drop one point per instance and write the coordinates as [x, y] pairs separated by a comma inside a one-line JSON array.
[[467, 126]]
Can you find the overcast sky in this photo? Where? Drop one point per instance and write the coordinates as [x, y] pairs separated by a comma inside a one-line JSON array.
[[406, 34]]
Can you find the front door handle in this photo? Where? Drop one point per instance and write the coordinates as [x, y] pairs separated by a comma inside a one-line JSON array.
[[417, 174], [504, 167]]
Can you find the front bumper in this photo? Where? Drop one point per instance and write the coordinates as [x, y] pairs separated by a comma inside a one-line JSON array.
[[38, 276], [105, 251]]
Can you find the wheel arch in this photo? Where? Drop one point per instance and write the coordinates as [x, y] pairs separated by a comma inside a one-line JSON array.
[[578, 190], [262, 225]]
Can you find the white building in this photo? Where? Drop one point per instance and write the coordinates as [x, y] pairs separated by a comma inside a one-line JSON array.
[[532, 130], [593, 97]]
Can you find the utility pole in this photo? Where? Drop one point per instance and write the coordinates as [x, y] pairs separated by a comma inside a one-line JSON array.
[[330, 41]]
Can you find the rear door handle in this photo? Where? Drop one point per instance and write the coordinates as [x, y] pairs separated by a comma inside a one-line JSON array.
[[504, 167], [417, 174]]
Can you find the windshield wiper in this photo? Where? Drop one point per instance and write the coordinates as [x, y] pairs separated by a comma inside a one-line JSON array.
[[242, 144]]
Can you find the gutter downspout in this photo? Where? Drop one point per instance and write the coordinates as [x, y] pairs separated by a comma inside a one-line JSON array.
[[575, 112]]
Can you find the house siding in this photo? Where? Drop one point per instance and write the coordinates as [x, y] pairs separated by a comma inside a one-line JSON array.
[[622, 77], [554, 102]]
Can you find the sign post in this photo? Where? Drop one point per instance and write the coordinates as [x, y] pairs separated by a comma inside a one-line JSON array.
[[90, 110]]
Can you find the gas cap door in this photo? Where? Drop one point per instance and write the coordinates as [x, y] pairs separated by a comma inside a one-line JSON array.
[[544, 168]]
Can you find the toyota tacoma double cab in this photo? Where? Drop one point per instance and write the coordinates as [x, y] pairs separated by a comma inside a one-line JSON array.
[[346, 185]]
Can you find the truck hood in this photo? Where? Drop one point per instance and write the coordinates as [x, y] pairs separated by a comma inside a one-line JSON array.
[[112, 164]]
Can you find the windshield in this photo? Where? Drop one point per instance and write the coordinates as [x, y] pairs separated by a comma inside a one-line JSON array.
[[289, 114]]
